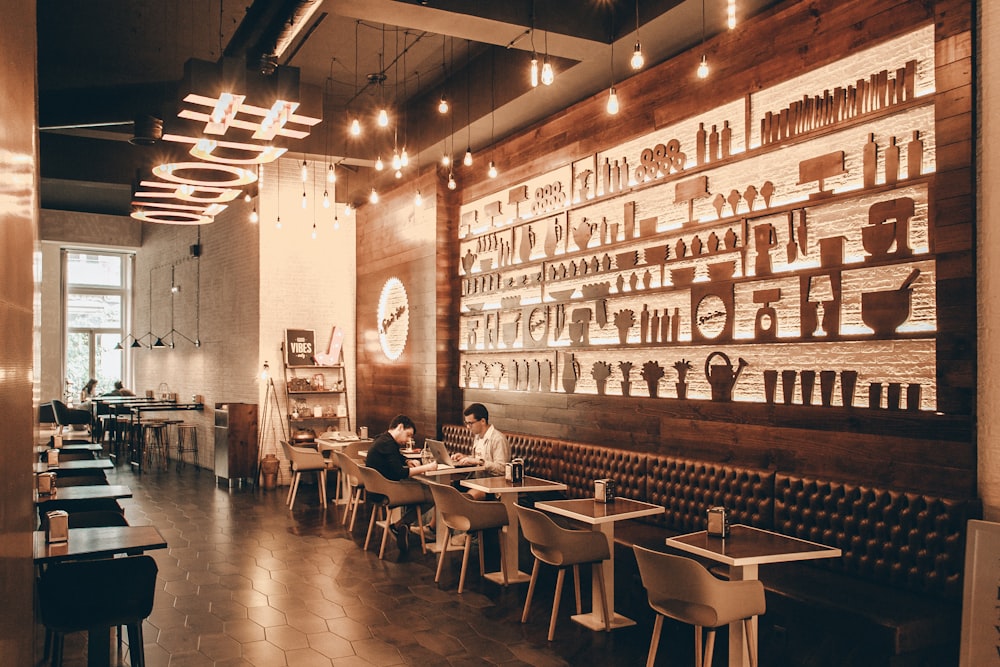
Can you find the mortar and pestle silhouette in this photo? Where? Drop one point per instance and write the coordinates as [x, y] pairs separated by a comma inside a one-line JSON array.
[[885, 311]]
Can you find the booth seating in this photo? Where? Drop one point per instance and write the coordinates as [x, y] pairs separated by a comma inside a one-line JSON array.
[[897, 587]]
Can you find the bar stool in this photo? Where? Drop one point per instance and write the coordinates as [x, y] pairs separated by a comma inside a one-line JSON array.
[[187, 442], [154, 440]]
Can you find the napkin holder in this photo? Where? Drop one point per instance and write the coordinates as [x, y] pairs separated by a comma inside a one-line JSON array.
[[57, 530], [604, 490], [45, 483], [718, 522]]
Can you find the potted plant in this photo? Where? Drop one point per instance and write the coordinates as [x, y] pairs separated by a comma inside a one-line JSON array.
[[626, 369], [601, 371], [624, 319], [652, 373], [682, 367]]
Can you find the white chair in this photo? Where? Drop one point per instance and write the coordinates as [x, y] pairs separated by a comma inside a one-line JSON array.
[[352, 475], [683, 589], [303, 460]]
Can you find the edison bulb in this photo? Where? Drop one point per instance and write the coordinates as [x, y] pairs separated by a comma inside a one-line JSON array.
[[467, 160], [613, 102], [383, 118], [355, 128], [637, 58]]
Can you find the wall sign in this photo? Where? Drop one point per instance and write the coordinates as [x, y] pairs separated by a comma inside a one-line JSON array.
[[393, 318], [300, 346]]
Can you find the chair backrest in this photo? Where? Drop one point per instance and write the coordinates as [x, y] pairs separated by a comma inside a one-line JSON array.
[[79, 595], [685, 590], [303, 458], [349, 466], [60, 412], [556, 545], [395, 493], [352, 448]]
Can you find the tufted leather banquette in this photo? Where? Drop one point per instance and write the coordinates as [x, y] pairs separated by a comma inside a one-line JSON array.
[[903, 552]]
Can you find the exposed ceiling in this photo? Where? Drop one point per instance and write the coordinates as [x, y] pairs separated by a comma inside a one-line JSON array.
[[104, 63]]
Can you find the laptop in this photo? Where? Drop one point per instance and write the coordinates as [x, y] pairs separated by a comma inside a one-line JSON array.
[[439, 452]]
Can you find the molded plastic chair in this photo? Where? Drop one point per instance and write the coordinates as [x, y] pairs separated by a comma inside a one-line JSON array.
[[66, 416], [350, 469], [303, 460], [459, 512], [95, 595], [683, 589], [388, 495], [562, 548]]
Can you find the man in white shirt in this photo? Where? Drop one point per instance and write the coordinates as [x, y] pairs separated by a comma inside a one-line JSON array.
[[489, 445]]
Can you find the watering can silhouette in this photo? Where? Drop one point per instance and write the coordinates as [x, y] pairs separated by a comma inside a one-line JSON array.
[[722, 377]]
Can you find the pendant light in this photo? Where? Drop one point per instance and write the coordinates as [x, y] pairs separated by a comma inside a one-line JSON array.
[[637, 58], [534, 54], [467, 160], [548, 74], [731, 14], [373, 197], [451, 181], [612, 106], [703, 66], [443, 103]]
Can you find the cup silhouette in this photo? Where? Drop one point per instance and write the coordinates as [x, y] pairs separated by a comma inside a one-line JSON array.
[[848, 381], [827, 379], [787, 386], [808, 382], [770, 384]]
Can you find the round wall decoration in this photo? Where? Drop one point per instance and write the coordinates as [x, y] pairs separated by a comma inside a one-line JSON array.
[[393, 318]]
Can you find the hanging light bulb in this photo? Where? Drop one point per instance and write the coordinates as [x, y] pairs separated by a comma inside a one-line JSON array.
[[404, 158], [399, 173], [314, 230], [336, 222], [451, 181], [373, 197], [534, 71], [467, 160], [703, 67], [443, 105], [379, 165], [613, 102], [731, 14], [326, 199], [277, 223], [383, 118], [355, 128], [417, 199], [304, 202], [305, 171], [254, 218], [348, 209], [445, 160], [493, 169], [247, 197], [260, 177], [331, 174], [396, 160], [548, 74], [637, 58]]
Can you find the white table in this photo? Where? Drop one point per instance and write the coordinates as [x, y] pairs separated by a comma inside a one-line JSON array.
[[743, 551], [602, 517], [508, 490]]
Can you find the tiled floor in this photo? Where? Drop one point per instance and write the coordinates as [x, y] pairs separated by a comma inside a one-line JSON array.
[[246, 582]]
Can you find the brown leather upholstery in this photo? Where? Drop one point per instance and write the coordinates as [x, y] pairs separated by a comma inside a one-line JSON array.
[[908, 540], [687, 488], [581, 464]]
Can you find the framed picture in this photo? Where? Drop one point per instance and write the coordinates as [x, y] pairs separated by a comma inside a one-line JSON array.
[[300, 347]]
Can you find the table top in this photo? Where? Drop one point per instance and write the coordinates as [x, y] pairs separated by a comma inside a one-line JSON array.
[[92, 492], [456, 470], [590, 511], [86, 464], [163, 406], [97, 542], [335, 443], [71, 447], [747, 545], [502, 485]]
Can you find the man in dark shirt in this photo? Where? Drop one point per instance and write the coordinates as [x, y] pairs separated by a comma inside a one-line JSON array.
[[384, 456]]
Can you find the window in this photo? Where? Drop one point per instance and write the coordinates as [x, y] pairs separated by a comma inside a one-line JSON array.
[[97, 298]]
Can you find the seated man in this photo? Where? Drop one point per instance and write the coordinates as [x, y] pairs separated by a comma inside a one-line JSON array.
[[384, 456], [489, 445]]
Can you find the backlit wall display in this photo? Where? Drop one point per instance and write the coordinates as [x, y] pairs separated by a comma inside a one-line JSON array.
[[784, 259]]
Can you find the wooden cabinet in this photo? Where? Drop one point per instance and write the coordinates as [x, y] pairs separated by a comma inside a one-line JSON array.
[[236, 442]]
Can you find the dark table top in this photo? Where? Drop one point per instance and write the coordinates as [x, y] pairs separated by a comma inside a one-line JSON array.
[[98, 542], [84, 493], [747, 545], [72, 466]]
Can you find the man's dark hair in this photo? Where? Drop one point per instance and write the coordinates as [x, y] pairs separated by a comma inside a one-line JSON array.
[[404, 420], [477, 410]]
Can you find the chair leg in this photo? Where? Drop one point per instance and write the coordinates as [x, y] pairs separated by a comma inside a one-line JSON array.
[[322, 488], [465, 562], [482, 557], [357, 502], [531, 590], [295, 489], [576, 589], [555, 602], [709, 646], [751, 644], [420, 530], [503, 557], [602, 585], [698, 657], [447, 541], [654, 642], [387, 514], [136, 652], [371, 525]]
